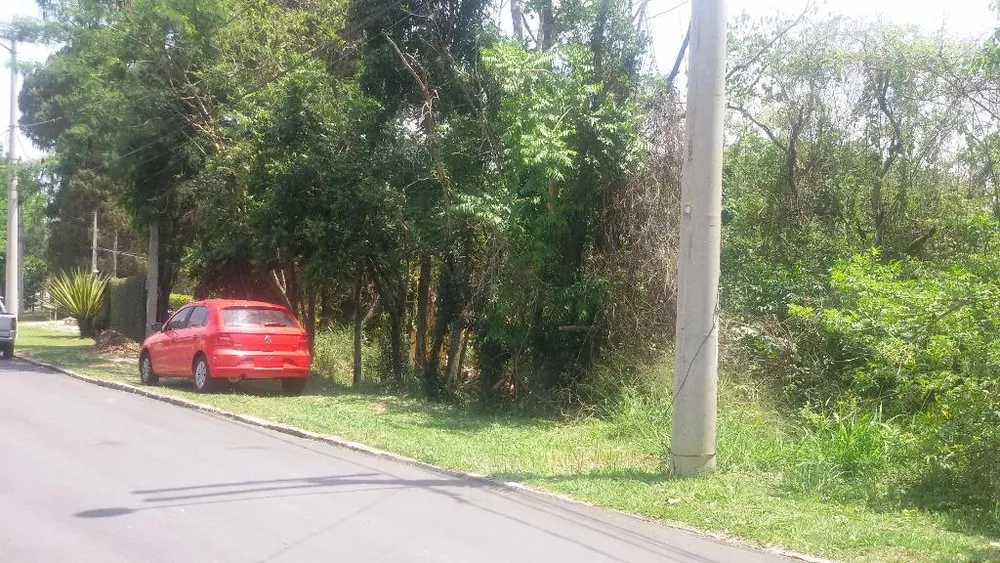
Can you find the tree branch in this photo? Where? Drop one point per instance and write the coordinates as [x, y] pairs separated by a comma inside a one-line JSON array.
[[423, 82], [680, 57], [767, 130], [745, 65]]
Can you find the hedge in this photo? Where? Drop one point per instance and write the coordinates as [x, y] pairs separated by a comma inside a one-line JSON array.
[[127, 304]]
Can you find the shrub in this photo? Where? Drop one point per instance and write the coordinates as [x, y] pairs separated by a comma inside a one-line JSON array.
[[127, 306], [82, 294], [915, 342], [178, 300]]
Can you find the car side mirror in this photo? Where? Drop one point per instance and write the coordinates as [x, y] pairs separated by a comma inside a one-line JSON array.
[[156, 327]]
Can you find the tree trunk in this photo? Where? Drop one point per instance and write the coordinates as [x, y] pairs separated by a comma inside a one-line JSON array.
[[404, 322], [456, 338], [444, 313], [311, 319], [294, 291], [357, 328], [166, 281], [326, 305], [491, 368], [432, 371], [370, 315], [396, 344], [152, 275], [423, 296], [546, 26], [515, 18]]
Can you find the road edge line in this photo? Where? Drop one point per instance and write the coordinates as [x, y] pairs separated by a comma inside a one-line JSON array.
[[341, 442]]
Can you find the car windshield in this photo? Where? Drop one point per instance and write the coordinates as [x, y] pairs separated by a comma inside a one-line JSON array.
[[256, 317]]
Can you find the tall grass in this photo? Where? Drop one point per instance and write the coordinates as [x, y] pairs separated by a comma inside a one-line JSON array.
[[333, 356], [849, 454], [843, 453]]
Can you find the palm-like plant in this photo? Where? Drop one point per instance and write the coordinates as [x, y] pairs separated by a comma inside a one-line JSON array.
[[81, 294]]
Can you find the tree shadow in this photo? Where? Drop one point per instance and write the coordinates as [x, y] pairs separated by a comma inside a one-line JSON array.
[[75, 337], [617, 475], [931, 495], [21, 366], [461, 417], [987, 554], [956, 514], [541, 513], [76, 356]]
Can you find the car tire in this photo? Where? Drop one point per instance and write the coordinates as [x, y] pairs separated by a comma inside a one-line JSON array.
[[293, 386], [146, 374], [8, 351], [202, 375]]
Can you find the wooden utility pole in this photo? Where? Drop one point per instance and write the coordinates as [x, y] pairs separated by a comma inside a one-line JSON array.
[[692, 445], [152, 274], [114, 257], [93, 246]]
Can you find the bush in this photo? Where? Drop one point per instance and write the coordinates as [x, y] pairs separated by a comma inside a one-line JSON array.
[[82, 295], [917, 343], [178, 300], [127, 306]]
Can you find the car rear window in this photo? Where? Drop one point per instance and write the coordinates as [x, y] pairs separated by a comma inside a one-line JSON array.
[[256, 317], [198, 317]]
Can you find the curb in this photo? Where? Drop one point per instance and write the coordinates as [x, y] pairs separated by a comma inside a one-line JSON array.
[[340, 442]]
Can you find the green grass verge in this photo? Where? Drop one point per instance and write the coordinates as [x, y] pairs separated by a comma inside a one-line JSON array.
[[615, 461]]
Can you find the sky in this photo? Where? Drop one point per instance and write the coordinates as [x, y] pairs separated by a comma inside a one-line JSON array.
[[969, 18]]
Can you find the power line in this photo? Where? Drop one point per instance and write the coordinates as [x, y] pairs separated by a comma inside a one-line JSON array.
[[668, 10], [123, 253]]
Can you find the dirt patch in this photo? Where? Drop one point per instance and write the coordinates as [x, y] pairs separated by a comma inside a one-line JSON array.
[[114, 344]]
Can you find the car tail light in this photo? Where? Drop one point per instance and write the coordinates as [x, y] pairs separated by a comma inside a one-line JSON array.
[[303, 343], [223, 340], [13, 323]]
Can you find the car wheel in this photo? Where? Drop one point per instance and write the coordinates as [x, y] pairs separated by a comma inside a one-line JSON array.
[[8, 351], [146, 374], [202, 375], [293, 386]]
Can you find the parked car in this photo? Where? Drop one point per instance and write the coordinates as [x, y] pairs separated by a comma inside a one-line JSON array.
[[221, 339], [8, 332]]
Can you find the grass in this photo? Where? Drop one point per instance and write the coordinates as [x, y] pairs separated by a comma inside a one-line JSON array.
[[761, 492]]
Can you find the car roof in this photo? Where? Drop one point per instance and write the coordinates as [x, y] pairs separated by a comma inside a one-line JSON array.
[[226, 303]]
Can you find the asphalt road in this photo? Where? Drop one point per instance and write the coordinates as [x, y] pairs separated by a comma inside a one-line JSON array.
[[89, 474]]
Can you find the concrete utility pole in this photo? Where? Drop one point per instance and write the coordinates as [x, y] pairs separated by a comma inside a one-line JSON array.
[[93, 246], [152, 274], [692, 445], [20, 254], [13, 300]]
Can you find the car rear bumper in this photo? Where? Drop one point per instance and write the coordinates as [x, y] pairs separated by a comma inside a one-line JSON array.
[[7, 336], [260, 365]]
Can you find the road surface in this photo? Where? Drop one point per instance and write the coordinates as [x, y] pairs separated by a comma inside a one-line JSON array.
[[89, 474]]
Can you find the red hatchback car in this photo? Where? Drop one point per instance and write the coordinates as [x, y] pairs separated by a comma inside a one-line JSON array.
[[218, 339]]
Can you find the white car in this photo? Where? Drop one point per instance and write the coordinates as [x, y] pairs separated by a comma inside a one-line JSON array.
[[8, 332]]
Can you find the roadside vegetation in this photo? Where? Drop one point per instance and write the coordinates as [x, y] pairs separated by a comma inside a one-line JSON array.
[[490, 220], [818, 489]]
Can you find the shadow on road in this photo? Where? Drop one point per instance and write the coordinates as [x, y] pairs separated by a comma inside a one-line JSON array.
[[540, 512], [20, 366]]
